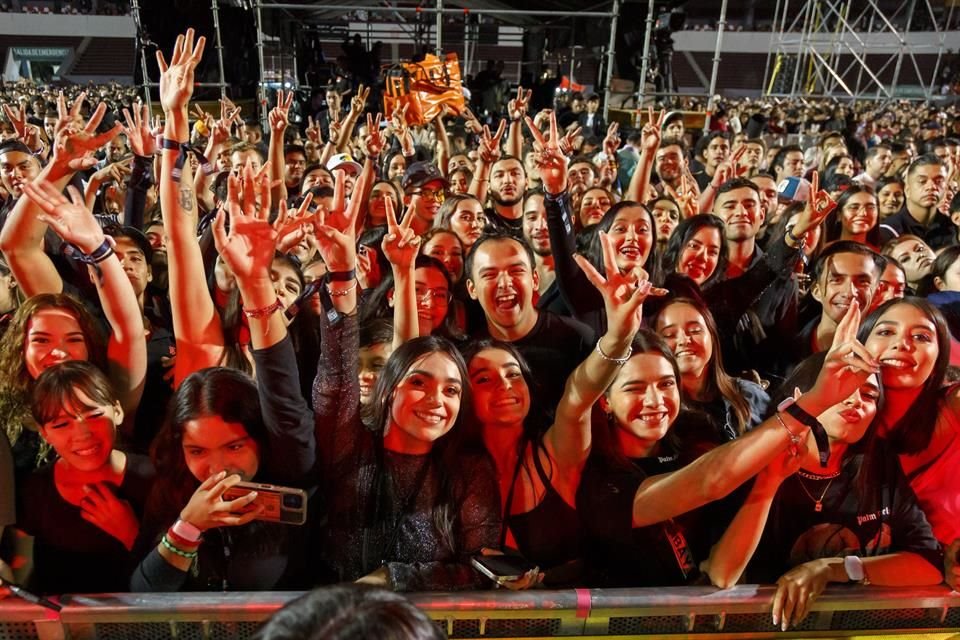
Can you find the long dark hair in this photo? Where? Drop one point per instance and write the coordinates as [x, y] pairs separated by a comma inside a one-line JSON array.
[[593, 251], [874, 467], [833, 228], [913, 432], [682, 235], [446, 452], [718, 380], [216, 391]]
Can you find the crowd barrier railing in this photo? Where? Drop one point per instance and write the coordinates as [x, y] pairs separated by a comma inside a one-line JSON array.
[[692, 612]]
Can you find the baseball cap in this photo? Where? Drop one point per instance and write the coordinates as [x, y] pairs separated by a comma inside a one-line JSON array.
[[421, 173], [344, 162]]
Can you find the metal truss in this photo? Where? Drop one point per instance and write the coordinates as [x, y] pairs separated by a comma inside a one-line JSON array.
[[820, 48]]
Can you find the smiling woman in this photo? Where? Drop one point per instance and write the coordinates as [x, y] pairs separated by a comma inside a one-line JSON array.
[[93, 495]]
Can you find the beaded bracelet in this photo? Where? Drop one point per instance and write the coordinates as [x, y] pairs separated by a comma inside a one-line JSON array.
[[619, 361], [189, 555]]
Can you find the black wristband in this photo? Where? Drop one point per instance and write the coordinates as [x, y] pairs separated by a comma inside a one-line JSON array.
[[170, 145], [342, 276], [819, 433]]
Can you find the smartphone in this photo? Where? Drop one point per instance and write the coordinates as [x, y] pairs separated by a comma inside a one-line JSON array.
[[502, 569], [285, 505]]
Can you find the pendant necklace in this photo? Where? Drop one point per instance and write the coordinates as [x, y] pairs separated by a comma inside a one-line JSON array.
[[817, 504]]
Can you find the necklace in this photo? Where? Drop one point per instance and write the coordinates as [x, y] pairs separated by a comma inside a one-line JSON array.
[[817, 503], [814, 476]]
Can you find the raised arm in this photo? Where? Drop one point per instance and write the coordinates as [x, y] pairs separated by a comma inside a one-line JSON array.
[[127, 347], [195, 320], [279, 118], [623, 297], [21, 239], [487, 154], [517, 109], [357, 104], [717, 473], [144, 146], [650, 142], [372, 144], [401, 246]]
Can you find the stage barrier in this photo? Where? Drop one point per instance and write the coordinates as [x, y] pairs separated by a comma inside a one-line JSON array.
[[692, 612]]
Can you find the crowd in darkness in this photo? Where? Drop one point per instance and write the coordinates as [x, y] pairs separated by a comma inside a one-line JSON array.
[[624, 358]]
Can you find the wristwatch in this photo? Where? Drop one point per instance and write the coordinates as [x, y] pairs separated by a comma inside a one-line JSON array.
[[187, 531], [853, 565]]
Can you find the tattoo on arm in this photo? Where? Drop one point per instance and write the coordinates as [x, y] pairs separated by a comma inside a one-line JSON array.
[[186, 198]]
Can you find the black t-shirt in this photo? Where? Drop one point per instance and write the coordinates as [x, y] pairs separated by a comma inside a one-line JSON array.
[[496, 222], [7, 498], [70, 554], [796, 533], [554, 348]]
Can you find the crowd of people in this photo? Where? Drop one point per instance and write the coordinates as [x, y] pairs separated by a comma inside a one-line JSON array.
[[675, 358]]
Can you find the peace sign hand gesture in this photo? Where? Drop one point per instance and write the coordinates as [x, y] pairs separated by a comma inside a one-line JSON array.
[[623, 294], [489, 149], [374, 142], [335, 229], [138, 132], [280, 115], [652, 131], [552, 163], [687, 198], [517, 107], [314, 134], [75, 141], [28, 133], [358, 101], [612, 142], [401, 244]]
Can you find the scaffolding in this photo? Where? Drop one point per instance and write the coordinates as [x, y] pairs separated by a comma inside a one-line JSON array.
[[855, 49]]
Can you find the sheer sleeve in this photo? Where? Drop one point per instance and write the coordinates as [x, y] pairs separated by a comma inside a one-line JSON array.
[[336, 390], [477, 526], [286, 416]]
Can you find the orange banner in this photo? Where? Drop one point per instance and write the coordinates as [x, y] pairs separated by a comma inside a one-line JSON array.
[[424, 87]]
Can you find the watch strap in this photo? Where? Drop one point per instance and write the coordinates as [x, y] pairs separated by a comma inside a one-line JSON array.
[[187, 531]]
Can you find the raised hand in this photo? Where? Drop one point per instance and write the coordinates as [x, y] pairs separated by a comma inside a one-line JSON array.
[[176, 79], [279, 116], [612, 141], [229, 112], [818, 208], [138, 132], [623, 293], [334, 128], [101, 507], [398, 120], [550, 161], [75, 141], [70, 219], [687, 198], [489, 149], [517, 107], [848, 363], [374, 142], [314, 133], [116, 172], [401, 244], [293, 227], [248, 248], [28, 133], [568, 142], [472, 123], [359, 101], [652, 131], [208, 510]]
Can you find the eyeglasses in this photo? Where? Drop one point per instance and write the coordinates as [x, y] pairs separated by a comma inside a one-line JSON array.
[[439, 195], [433, 296]]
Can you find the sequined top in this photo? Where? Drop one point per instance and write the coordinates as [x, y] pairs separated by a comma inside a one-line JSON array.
[[358, 473]]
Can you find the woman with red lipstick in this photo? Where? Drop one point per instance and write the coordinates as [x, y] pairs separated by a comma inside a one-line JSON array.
[[855, 518], [92, 497], [697, 250], [667, 214], [914, 255]]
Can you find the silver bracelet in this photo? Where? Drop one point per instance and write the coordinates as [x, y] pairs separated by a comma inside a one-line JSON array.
[[794, 438], [619, 361]]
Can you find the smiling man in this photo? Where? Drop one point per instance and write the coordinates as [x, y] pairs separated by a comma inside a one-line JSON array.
[[738, 204], [502, 276]]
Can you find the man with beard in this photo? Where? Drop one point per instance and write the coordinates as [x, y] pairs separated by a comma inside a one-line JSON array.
[[18, 166], [538, 237], [924, 187], [670, 163], [507, 182]]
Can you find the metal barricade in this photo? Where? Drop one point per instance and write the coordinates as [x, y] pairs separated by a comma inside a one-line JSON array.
[[692, 612]]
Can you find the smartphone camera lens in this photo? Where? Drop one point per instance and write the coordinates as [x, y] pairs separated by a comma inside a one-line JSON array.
[[293, 501]]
